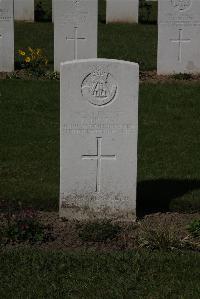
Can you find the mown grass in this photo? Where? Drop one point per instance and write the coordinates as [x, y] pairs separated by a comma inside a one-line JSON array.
[[29, 142], [35, 35], [168, 156], [142, 274], [136, 43]]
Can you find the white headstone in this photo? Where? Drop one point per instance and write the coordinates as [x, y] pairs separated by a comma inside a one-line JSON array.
[[179, 36], [75, 30], [122, 11], [6, 36], [99, 126], [24, 10]]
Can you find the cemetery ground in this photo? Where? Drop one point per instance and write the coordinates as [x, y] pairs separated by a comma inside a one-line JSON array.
[[156, 257]]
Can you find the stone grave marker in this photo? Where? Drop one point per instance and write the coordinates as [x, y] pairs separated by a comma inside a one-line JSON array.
[[6, 36], [24, 10], [75, 30], [178, 36], [98, 139], [122, 11]]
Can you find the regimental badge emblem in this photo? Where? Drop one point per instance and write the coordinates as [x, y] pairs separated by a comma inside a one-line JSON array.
[[99, 87], [181, 4]]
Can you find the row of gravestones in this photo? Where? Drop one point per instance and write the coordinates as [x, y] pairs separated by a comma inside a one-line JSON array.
[[117, 10], [75, 34], [99, 109]]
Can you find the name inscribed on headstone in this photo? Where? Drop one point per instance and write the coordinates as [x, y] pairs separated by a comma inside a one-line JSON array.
[[5, 14]]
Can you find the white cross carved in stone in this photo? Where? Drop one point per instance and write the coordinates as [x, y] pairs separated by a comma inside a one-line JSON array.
[[98, 158], [75, 39], [180, 41]]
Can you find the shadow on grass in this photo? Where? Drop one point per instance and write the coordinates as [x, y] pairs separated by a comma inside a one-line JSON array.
[[163, 195], [145, 22]]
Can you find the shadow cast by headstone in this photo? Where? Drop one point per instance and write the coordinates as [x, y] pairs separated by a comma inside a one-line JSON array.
[[146, 22], [102, 20], [155, 196]]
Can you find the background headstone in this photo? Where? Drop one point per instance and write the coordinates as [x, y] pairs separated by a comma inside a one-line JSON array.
[[75, 30], [178, 36], [99, 127], [24, 10], [6, 36], [52, 11], [122, 11]]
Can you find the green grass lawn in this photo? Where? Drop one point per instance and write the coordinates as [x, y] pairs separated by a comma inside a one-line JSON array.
[[168, 158], [136, 43], [35, 35], [29, 142], [37, 274]]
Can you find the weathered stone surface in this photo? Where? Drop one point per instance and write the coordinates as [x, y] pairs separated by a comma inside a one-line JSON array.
[[98, 133], [122, 11], [75, 30], [24, 10], [179, 36], [6, 36]]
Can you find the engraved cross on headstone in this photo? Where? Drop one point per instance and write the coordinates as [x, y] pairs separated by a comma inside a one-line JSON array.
[[75, 39], [180, 41], [98, 157]]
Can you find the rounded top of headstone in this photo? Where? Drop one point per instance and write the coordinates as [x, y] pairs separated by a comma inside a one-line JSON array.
[[99, 81], [100, 60]]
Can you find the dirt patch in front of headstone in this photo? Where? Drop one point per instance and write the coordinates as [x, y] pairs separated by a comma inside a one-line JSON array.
[[145, 76], [152, 77], [153, 231]]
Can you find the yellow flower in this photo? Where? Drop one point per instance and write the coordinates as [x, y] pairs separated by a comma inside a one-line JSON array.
[[22, 53], [27, 59]]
